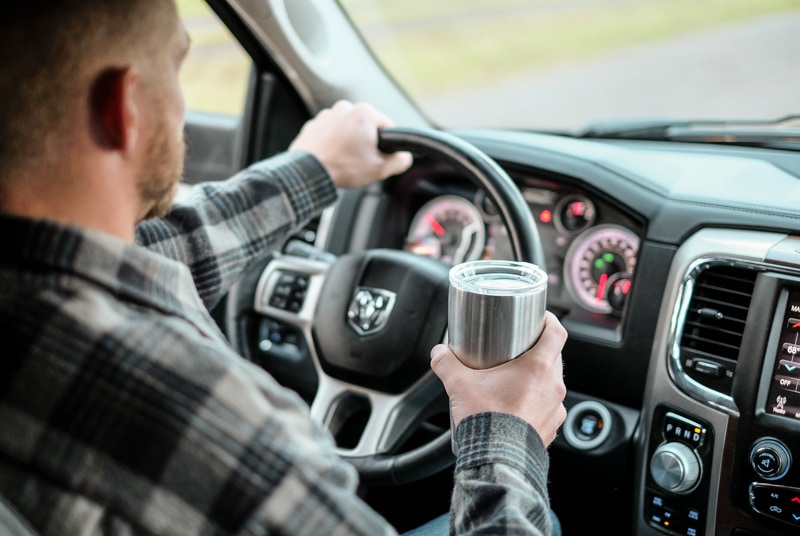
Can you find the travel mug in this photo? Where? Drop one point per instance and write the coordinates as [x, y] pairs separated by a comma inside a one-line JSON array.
[[495, 312]]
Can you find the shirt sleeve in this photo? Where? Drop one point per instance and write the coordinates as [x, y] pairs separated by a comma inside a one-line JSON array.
[[500, 478], [220, 228]]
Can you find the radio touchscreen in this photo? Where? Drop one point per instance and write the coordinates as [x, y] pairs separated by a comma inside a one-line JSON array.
[[784, 391]]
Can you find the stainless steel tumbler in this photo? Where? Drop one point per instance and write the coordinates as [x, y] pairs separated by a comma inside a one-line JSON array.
[[496, 310]]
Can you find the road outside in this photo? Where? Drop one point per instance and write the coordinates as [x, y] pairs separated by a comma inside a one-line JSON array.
[[740, 70]]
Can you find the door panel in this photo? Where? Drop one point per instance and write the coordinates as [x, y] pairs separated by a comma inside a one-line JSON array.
[[214, 146]]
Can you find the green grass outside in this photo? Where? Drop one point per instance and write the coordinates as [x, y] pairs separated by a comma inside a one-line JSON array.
[[192, 7]]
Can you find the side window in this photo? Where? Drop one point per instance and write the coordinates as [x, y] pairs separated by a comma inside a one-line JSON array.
[[216, 71], [215, 78]]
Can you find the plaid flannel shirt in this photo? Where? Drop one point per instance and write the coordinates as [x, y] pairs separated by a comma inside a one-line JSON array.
[[123, 410]]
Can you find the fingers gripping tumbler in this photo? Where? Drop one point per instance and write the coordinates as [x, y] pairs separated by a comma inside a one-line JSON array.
[[495, 311]]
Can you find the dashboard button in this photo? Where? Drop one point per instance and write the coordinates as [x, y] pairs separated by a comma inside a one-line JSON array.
[[672, 516], [778, 502], [770, 459], [588, 425]]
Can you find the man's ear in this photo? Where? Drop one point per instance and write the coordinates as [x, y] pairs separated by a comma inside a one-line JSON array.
[[113, 112]]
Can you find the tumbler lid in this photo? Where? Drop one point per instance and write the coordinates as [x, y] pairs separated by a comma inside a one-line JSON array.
[[496, 277]]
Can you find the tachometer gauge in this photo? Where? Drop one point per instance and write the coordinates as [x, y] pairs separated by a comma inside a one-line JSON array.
[[448, 228], [599, 265]]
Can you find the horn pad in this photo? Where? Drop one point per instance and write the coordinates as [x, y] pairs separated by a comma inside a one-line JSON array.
[[392, 356]]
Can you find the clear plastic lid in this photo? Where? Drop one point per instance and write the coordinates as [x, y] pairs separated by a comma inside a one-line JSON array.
[[498, 277]]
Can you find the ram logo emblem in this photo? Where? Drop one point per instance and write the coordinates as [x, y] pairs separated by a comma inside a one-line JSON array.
[[370, 309]]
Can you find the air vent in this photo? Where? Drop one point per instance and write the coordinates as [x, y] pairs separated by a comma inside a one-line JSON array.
[[714, 324]]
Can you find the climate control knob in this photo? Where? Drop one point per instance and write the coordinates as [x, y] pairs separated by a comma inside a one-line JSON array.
[[675, 467]]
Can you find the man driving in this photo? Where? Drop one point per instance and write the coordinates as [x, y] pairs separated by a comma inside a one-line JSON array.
[[123, 409]]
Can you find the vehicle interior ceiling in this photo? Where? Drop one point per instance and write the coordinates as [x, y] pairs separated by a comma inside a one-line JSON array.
[[687, 360]]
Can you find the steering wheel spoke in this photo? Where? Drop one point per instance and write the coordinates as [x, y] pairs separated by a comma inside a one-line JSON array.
[[289, 289], [383, 420]]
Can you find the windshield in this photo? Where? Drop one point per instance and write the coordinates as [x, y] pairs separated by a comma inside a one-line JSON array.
[[563, 65]]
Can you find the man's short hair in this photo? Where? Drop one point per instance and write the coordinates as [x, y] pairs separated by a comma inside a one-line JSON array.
[[50, 51]]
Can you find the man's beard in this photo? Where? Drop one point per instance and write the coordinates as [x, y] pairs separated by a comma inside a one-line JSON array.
[[162, 173]]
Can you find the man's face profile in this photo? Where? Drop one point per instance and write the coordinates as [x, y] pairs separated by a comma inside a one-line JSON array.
[[166, 148]]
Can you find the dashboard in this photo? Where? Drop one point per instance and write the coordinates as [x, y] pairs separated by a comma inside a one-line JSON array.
[[590, 245], [676, 270]]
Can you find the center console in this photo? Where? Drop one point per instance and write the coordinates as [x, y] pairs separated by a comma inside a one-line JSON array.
[[766, 479], [719, 444]]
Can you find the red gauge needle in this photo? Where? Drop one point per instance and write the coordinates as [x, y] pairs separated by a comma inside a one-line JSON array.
[[797, 325], [435, 225], [626, 287], [601, 287]]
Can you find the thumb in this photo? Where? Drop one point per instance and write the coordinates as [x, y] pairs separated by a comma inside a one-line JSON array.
[[396, 163]]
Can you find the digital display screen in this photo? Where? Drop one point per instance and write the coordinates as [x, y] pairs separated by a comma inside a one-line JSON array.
[[784, 392]]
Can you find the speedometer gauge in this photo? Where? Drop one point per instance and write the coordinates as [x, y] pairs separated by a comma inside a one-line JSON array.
[[449, 228], [599, 266]]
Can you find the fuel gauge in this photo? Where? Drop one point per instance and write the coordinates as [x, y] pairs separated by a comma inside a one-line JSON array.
[[619, 286], [575, 213]]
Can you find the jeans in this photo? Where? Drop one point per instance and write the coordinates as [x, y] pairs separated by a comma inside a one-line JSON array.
[[440, 526]]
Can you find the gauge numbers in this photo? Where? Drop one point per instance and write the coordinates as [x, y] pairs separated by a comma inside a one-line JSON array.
[[598, 267], [449, 228]]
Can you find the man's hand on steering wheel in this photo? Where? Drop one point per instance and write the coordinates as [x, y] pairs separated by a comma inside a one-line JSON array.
[[344, 138]]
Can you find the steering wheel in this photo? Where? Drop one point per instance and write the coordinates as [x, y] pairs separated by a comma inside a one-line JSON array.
[[366, 322]]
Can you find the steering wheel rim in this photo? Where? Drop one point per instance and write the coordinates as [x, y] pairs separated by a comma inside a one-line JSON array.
[[481, 170], [331, 288]]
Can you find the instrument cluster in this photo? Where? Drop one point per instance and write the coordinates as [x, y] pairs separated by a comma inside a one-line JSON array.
[[590, 246]]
